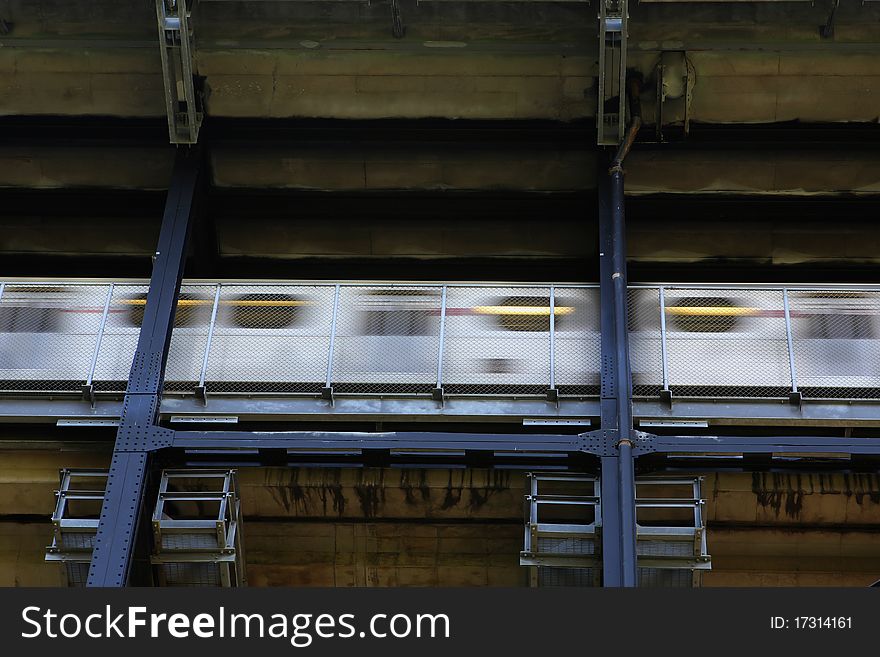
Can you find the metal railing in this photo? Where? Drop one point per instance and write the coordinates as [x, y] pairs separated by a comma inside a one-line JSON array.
[[715, 341], [446, 340]]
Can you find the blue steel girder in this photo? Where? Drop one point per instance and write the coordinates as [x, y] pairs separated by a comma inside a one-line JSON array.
[[138, 436]]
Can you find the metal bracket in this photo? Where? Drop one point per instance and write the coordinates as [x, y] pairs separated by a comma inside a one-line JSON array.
[[327, 393], [437, 394], [666, 397], [134, 439], [88, 394], [182, 105], [672, 87], [605, 442]]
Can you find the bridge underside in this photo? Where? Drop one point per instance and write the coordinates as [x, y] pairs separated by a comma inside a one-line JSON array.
[[455, 142]]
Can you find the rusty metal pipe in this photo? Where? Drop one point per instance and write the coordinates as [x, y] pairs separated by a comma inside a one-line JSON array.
[[634, 89]]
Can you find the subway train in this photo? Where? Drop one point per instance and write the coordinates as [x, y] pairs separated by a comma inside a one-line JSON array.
[[467, 339]]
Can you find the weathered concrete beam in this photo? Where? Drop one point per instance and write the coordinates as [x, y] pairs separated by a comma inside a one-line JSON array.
[[377, 168], [793, 173], [46, 167]]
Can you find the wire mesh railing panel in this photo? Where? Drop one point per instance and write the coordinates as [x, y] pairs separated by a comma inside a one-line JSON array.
[[189, 574], [836, 343], [77, 573], [665, 578], [387, 339], [270, 338], [497, 341], [554, 576], [645, 346], [726, 343], [119, 339], [48, 335], [576, 340], [648, 548], [192, 320], [572, 545]]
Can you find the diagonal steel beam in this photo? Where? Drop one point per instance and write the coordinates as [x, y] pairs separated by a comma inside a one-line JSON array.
[[137, 436]]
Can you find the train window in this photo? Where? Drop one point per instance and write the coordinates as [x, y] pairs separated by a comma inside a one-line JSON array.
[[528, 313], [192, 309], [29, 319], [703, 314], [401, 312], [399, 322], [266, 311], [840, 327], [840, 317]]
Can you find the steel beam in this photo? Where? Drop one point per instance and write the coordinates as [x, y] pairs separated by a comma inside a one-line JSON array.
[[618, 488], [763, 445], [336, 441], [137, 436]]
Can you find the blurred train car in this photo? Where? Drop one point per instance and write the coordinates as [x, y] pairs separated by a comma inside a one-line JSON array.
[[404, 339]]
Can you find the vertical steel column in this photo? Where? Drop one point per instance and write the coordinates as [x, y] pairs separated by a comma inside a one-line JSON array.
[[618, 479], [123, 497]]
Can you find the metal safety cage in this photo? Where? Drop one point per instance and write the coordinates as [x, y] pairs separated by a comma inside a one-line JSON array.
[[670, 532], [175, 47], [611, 113], [197, 529], [75, 522], [562, 542]]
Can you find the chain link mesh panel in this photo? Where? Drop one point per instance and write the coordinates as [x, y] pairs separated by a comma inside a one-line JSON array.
[[836, 343], [553, 576], [498, 340], [270, 338], [664, 578], [77, 573], [568, 545], [645, 349], [119, 341], [48, 335], [577, 341], [189, 574], [276, 339], [189, 339], [726, 343], [387, 339]]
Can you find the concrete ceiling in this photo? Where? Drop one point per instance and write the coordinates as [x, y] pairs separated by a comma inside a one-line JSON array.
[[748, 62]]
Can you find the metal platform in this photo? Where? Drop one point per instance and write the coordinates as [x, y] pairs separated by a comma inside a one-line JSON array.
[[563, 544], [197, 530], [75, 522]]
